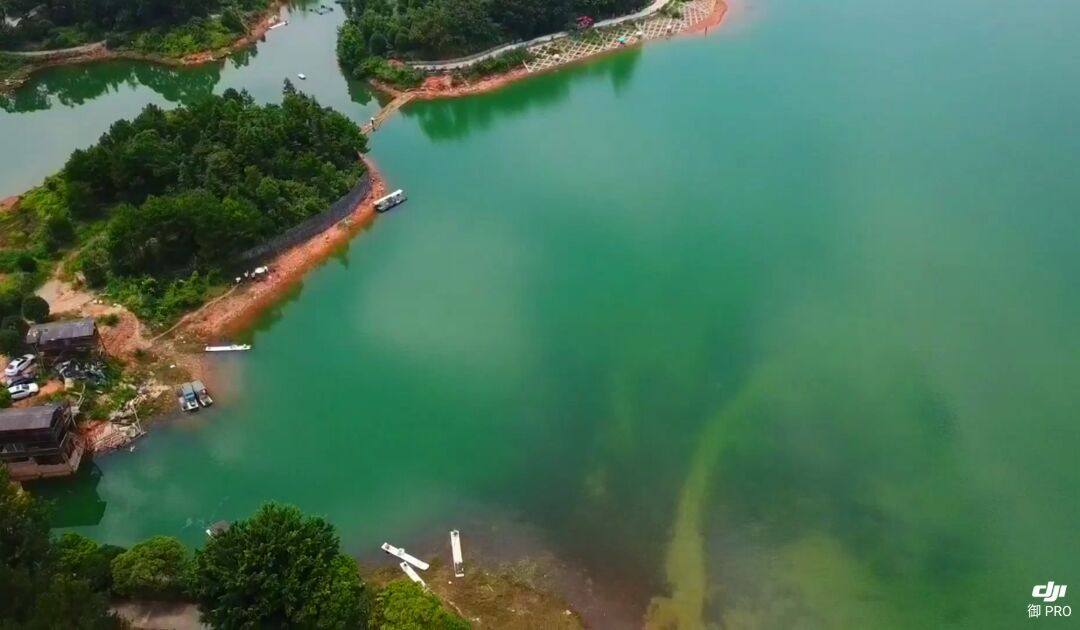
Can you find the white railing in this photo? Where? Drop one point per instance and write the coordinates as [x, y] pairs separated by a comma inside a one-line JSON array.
[[464, 62]]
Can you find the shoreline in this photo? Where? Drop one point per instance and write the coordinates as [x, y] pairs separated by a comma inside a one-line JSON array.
[[238, 308], [256, 33], [438, 87]]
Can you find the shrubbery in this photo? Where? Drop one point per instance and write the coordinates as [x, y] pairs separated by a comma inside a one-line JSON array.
[[510, 60], [404, 605], [35, 308], [159, 568]]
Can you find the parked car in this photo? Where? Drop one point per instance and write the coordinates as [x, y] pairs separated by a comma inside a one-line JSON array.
[[19, 365], [26, 390], [20, 379]]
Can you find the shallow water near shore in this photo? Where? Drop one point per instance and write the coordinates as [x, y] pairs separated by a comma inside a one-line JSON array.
[[775, 328]]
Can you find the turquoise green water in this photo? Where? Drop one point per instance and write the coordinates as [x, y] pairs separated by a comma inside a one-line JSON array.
[[773, 329]]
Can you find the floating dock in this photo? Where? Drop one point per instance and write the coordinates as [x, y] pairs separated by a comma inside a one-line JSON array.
[[401, 553], [455, 551]]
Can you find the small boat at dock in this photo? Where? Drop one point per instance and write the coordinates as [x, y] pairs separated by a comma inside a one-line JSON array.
[[187, 398], [279, 25], [202, 394], [455, 552], [236, 347], [401, 553], [395, 198]]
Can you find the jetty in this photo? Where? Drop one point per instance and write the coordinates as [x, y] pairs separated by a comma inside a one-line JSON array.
[[236, 347], [455, 552], [413, 575], [401, 553]]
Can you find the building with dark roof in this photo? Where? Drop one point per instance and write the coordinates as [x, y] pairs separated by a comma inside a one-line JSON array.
[[39, 441], [73, 335]]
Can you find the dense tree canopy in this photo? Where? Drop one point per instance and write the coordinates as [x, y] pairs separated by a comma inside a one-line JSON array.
[[181, 193], [279, 569], [434, 29], [167, 26], [42, 586]]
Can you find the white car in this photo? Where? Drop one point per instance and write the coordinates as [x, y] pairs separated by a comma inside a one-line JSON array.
[[26, 390], [19, 365]]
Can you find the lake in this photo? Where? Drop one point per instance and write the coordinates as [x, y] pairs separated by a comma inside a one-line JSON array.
[[773, 328]]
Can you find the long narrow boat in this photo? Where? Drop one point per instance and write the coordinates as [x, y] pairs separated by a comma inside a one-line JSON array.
[[236, 347], [455, 552], [401, 553], [413, 575]]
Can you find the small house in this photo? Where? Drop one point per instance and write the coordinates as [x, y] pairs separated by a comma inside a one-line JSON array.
[[54, 338], [39, 441]]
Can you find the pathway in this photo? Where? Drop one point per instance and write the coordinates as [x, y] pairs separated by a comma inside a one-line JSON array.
[[596, 41], [387, 111]]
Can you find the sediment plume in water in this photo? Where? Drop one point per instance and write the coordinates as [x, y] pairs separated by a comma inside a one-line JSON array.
[[684, 566]]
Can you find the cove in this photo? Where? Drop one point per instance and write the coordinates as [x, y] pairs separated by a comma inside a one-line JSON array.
[[776, 326]]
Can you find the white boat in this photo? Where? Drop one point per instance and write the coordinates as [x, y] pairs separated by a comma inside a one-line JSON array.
[[302, 76], [412, 574], [397, 197], [401, 553], [279, 25], [230, 348], [455, 551], [202, 394]]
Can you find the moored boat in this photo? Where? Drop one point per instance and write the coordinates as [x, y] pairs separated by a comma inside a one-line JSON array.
[[382, 204], [202, 394]]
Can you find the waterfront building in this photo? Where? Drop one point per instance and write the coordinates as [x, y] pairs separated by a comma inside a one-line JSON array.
[[40, 441]]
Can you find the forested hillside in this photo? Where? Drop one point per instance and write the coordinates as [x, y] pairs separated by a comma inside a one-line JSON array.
[[436, 29], [169, 27], [162, 203]]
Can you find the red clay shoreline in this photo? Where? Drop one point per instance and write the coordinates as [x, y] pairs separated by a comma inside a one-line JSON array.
[[440, 87]]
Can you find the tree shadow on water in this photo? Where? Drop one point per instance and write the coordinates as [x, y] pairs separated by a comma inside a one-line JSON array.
[[452, 119], [75, 500], [72, 86]]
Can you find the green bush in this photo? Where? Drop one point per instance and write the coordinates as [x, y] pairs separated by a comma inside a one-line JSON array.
[[35, 308], [80, 557], [111, 319], [157, 568], [5, 395], [404, 605]]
